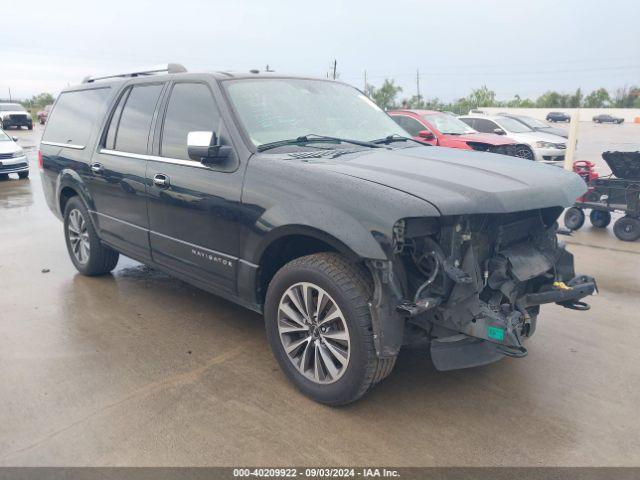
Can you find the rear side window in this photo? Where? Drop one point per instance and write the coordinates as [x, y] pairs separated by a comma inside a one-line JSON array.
[[191, 108], [75, 115], [131, 122]]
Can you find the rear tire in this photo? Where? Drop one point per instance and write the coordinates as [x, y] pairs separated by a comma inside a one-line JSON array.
[[600, 218], [330, 279], [574, 218], [88, 254], [627, 229]]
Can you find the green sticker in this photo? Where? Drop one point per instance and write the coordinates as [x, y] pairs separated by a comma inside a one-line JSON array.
[[495, 333]]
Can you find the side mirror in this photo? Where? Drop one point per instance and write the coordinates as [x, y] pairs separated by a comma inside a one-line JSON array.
[[15, 139], [204, 147], [499, 131], [426, 134]]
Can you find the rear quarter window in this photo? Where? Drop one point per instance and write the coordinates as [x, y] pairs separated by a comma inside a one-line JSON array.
[[75, 115]]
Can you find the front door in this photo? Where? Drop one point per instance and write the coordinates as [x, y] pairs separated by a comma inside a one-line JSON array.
[[193, 208]]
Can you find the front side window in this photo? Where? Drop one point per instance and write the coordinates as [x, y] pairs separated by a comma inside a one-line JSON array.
[[483, 125], [273, 109], [129, 129], [75, 115], [191, 109]]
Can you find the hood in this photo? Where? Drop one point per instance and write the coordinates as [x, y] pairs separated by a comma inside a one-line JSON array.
[[532, 137], [9, 146], [488, 138], [555, 131], [462, 181]]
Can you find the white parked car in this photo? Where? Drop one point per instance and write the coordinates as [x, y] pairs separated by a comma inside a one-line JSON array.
[[533, 145], [12, 157], [14, 115]]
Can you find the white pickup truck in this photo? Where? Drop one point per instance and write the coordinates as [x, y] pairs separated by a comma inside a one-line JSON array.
[[14, 115]]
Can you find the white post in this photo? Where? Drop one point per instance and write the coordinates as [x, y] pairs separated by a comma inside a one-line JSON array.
[[572, 140]]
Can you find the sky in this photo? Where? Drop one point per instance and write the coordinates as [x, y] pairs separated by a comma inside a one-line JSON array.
[[511, 46]]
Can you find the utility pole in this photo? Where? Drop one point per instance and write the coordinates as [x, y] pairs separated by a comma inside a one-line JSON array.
[[9, 93], [418, 82], [335, 66], [365, 82]]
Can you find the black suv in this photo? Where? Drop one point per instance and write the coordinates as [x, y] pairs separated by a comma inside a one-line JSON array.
[[299, 198]]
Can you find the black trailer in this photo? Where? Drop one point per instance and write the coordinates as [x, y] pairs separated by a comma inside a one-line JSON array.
[[619, 192]]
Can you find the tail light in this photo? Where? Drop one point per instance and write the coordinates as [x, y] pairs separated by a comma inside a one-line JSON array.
[[40, 165]]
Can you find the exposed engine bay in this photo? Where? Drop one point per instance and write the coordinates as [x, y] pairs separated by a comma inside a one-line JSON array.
[[473, 284]]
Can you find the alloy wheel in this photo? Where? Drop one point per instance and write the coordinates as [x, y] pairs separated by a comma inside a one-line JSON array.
[[78, 236], [524, 152], [314, 333]]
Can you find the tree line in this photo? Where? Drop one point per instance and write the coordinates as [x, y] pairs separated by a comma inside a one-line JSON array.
[[386, 96]]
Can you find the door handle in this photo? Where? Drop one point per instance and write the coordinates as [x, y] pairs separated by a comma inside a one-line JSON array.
[[97, 168], [161, 180]]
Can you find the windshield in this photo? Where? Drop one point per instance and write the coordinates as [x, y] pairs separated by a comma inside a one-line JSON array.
[[4, 137], [448, 124], [513, 126], [532, 122], [276, 109], [8, 107]]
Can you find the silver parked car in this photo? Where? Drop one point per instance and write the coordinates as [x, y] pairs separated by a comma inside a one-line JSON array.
[[533, 145], [12, 157], [537, 125]]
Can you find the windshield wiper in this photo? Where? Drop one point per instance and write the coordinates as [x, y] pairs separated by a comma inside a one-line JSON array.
[[394, 138], [313, 138]]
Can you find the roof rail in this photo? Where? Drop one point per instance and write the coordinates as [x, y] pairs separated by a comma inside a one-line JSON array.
[[169, 68]]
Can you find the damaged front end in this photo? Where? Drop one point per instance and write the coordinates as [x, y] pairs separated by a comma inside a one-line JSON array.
[[473, 284]]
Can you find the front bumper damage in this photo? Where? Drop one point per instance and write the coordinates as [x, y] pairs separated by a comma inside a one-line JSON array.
[[478, 290]]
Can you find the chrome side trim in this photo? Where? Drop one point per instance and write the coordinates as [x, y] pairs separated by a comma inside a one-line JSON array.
[[120, 221], [65, 145], [153, 158], [252, 265], [193, 245]]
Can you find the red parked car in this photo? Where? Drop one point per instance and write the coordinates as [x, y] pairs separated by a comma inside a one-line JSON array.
[[445, 130], [44, 114]]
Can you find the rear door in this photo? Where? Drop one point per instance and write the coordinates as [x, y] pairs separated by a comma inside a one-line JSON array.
[[193, 208], [117, 176]]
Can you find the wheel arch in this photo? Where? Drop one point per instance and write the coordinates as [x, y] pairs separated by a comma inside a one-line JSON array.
[[290, 242]]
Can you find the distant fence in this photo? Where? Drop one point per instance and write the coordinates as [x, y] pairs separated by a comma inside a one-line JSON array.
[[586, 114]]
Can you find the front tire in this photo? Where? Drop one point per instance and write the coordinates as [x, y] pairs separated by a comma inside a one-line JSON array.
[[23, 175], [88, 254], [523, 151], [627, 229], [319, 327]]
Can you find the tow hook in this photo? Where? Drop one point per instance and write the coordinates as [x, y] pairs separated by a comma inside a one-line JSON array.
[[512, 351], [576, 305]]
